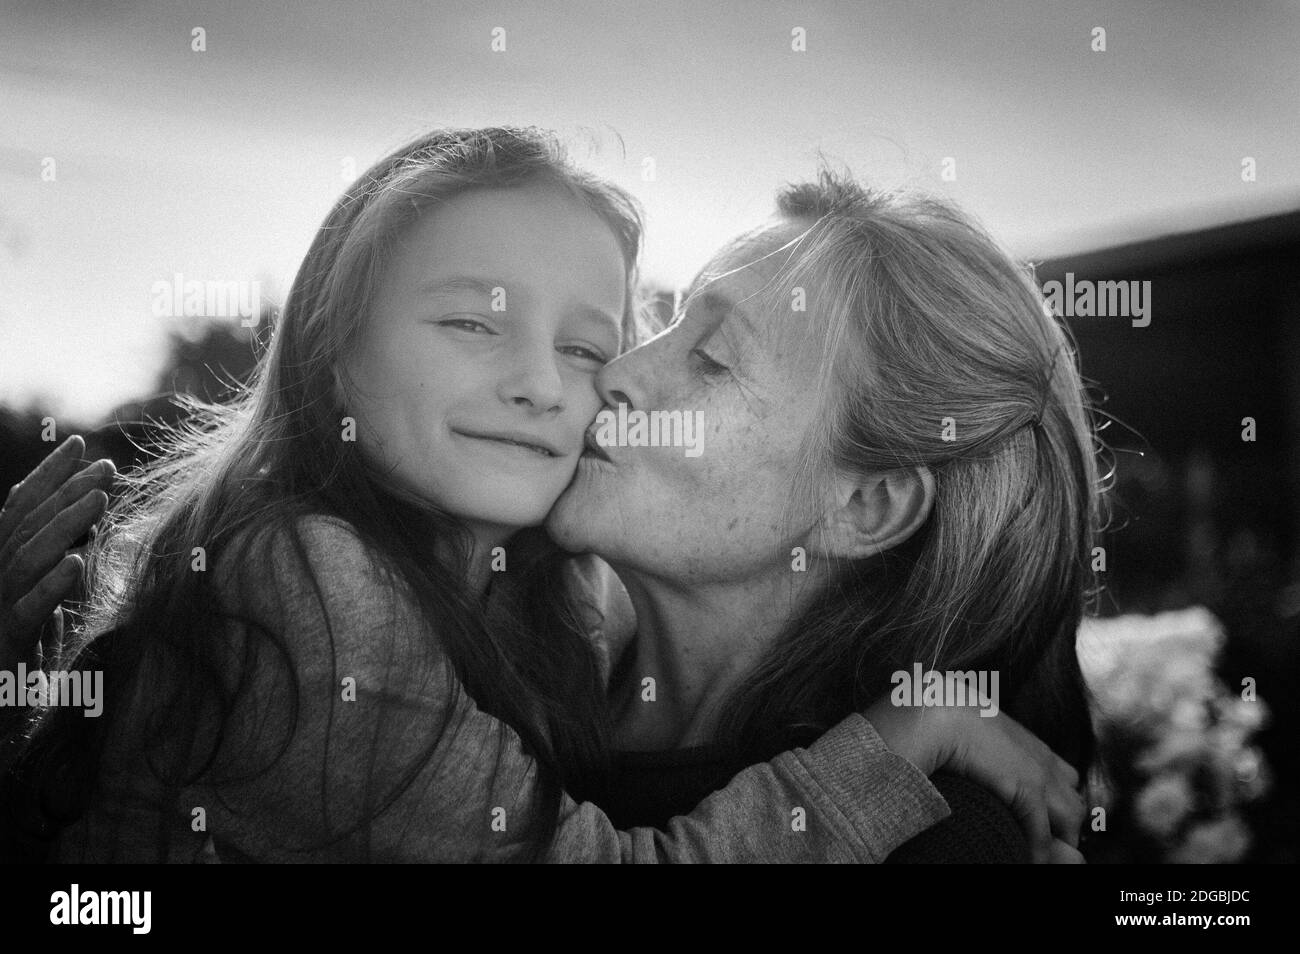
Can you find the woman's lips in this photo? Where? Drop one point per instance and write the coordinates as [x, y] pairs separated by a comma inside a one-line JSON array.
[[594, 449]]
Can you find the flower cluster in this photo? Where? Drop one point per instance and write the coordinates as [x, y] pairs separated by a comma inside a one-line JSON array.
[[1174, 741]]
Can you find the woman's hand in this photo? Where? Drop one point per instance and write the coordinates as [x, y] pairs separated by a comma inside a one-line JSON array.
[[1002, 755], [53, 507]]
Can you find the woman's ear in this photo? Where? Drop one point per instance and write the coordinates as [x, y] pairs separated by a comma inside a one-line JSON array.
[[872, 514]]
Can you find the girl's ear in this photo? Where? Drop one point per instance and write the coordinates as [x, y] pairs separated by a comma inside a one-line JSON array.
[[870, 514]]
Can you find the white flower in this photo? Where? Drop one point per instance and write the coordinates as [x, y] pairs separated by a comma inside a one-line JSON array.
[[1188, 714], [1248, 716], [1156, 694], [1104, 644], [1163, 803], [1174, 747], [1222, 840], [1148, 663], [1252, 775]]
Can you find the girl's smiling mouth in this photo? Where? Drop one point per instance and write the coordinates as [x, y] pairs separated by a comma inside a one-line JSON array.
[[523, 441]]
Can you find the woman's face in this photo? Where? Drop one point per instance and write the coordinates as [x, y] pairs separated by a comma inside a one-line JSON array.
[[472, 381], [748, 363]]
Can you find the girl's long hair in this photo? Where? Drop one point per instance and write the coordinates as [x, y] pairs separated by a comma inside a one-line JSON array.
[[940, 352], [243, 475]]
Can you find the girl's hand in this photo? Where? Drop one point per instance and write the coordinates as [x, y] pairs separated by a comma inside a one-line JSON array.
[[53, 507], [1000, 754]]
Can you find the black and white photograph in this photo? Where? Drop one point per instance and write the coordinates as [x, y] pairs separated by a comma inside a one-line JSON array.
[[736, 432]]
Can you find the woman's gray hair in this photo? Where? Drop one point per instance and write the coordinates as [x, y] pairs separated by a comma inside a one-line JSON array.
[[938, 352]]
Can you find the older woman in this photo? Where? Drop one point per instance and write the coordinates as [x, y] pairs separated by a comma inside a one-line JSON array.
[[897, 469]]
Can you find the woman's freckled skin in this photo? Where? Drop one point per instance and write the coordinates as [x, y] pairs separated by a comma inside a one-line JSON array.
[[723, 514], [702, 543]]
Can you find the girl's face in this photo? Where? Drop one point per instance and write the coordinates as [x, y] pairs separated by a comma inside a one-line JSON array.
[[472, 380], [748, 364]]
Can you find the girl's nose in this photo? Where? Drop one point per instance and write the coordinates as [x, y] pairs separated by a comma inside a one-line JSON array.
[[533, 379]]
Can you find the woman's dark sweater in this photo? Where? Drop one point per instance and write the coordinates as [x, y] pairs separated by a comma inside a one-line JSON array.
[[649, 788]]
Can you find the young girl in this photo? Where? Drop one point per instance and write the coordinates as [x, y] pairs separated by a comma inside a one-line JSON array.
[[329, 623]]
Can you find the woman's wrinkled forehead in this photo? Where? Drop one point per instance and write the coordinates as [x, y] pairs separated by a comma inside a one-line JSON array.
[[765, 250], [760, 273]]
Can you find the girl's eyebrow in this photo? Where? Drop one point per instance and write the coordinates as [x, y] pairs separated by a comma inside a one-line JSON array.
[[600, 316], [459, 283]]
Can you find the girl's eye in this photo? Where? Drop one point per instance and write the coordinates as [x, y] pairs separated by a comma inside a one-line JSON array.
[[708, 366], [586, 354], [466, 324]]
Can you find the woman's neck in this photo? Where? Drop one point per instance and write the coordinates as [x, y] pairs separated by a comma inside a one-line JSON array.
[[697, 642]]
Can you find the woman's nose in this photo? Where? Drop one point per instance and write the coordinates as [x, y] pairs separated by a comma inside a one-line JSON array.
[[617, 382], [533, 380]]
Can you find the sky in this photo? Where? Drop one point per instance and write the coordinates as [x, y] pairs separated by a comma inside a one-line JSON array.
[[219, 164]]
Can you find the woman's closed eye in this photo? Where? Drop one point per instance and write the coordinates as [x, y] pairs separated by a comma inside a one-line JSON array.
[[708, 366]]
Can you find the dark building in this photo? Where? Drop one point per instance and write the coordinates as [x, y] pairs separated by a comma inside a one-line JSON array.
[[1203, 515], [1222, 344]]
